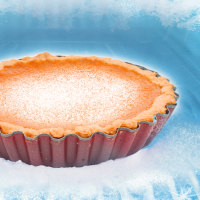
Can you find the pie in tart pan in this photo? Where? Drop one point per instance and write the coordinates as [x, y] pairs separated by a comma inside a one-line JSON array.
[[64, 111]]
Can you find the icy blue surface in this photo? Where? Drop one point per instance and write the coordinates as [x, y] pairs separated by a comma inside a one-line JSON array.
[[169, 167]]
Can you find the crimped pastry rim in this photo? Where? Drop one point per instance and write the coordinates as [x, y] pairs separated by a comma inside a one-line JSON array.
[[135, 130], [168, 99]]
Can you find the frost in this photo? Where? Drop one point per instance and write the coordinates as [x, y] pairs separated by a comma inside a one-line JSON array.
[[182, 13]]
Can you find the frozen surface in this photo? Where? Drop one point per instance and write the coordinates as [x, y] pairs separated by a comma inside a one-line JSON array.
[[56, 13], [166, 169], [169, 167]]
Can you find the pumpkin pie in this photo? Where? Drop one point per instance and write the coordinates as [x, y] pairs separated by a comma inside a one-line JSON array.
[[80, 95]]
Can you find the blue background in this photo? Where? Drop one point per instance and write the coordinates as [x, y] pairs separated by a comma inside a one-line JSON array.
[[169, 167]]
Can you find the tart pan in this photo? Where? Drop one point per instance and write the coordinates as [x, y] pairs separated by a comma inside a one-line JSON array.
[[73, 150]]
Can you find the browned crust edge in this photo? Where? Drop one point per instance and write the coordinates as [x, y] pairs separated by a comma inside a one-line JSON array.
[[167, 97]]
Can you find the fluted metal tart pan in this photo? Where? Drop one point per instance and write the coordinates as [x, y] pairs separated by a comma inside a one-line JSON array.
[[73, 150]]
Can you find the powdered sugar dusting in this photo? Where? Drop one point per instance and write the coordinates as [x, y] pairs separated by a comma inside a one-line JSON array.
[[67, 97]]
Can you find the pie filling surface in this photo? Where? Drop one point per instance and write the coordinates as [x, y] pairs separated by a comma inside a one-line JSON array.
[[68, 93]]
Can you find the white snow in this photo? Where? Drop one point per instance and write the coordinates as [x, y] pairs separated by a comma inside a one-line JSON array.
[[182, 13], [176, 154]]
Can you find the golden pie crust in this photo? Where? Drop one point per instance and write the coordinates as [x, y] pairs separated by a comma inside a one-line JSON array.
[[165, 96]]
